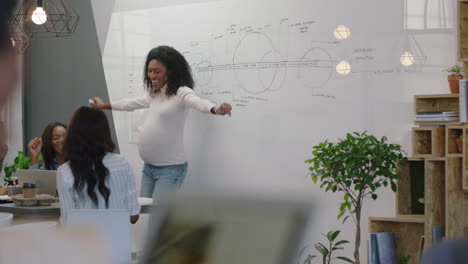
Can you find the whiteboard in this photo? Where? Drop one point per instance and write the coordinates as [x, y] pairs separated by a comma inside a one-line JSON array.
[[275, 62]]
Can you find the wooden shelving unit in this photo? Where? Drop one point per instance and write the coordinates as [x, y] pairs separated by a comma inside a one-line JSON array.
[[438, 171]]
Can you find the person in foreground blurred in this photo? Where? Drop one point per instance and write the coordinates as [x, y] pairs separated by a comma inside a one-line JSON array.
[[449, 252], [93, 177], [51, 147], [8, 61]]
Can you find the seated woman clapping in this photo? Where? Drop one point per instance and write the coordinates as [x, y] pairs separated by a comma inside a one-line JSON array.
[[51, 147], [93, 177]]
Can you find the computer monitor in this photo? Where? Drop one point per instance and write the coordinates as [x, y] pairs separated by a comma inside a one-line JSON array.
[[213, 230], [45, 180]]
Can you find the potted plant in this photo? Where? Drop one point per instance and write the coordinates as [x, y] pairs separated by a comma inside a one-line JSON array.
[[459, 143], [357, 166], [21, 162], [454, 78], [327, 252]]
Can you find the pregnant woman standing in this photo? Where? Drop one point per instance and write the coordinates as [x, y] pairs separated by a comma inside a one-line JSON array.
[[169, 96]]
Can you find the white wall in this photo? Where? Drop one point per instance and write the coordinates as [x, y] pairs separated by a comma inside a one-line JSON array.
[[12, 114], [261, 148]]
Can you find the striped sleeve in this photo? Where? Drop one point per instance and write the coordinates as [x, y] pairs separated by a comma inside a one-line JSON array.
[[65, 191], [131, 196]]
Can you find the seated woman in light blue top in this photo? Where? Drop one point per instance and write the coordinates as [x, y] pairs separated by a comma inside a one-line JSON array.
[[51, 145], [93, 177]]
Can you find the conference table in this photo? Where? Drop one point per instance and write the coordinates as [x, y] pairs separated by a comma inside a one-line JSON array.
[[28, 214]]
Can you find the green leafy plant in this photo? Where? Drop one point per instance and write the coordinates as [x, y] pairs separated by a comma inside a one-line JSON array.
[[421, 200], [327, 252], [357, 166], [21, 162], [404, 259], [455, 70]]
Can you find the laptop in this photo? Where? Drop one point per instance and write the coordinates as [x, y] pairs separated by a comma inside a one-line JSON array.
[[212, 230], [45, 180]]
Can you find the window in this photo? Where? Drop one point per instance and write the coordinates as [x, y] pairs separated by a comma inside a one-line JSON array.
[[430, 14]]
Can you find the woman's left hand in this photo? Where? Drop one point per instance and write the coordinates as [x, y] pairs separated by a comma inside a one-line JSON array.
[[224, 109]]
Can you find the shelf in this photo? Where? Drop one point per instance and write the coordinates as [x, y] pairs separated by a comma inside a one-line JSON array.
[[436, 103], [428, 142], [418, 219], [455, 155], [439, 123], [404, 217], [453, 133], [437, 158], [436, 96], [410, 187], [408, 232]]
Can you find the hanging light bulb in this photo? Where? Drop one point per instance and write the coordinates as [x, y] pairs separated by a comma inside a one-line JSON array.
[[343, 68], [39, 16], [13, 42], [407, 58], [342, 32]]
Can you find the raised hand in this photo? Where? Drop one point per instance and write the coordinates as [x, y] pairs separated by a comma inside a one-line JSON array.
[[34, 147], [224, 109], [98, 102]]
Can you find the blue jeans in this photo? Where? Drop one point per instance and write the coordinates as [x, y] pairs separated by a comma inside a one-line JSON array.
[[159, 180]]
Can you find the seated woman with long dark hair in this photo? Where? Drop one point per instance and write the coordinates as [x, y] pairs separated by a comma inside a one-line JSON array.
[[93, 177], [51, 147]]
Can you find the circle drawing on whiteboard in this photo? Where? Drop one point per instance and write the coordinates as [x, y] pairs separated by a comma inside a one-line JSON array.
[[315, 68], [272, 78], [203, 73], [257, 66]]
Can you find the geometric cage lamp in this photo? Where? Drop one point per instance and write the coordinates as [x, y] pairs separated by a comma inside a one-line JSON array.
[[45, 18]]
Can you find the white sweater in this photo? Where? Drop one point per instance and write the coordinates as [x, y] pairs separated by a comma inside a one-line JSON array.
[[161, 135]]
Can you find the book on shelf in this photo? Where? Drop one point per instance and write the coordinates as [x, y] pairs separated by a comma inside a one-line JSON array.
[[373, 253], [443, 113], [438, 234], [382, 248], [436, 118]]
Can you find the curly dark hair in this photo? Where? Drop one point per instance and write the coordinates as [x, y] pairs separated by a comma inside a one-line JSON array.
[[47, 149], [87, 142], [178, 70]]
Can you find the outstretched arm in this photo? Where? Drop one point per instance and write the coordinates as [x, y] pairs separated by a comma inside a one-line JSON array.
[[124, 105], [100, 104], [190, 99], [223, 109]]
